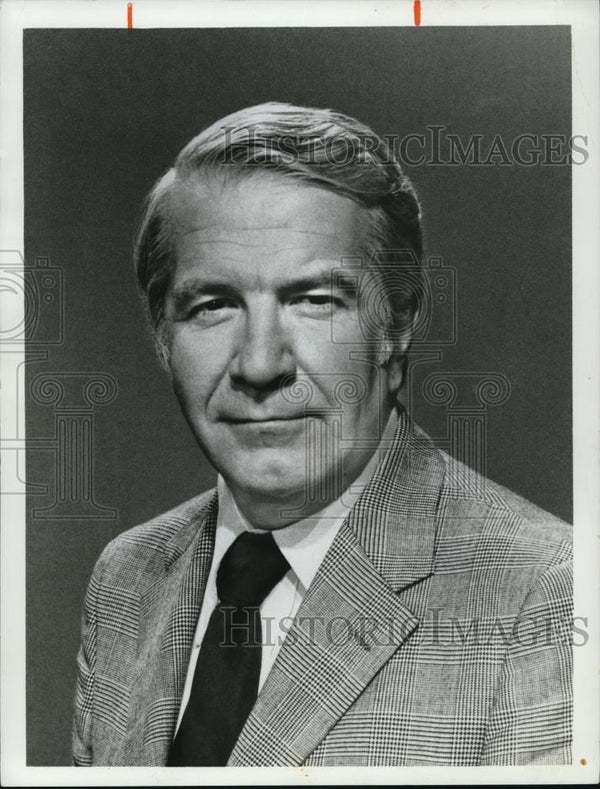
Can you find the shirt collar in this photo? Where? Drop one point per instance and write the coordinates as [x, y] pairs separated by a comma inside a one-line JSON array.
[[305, 542]]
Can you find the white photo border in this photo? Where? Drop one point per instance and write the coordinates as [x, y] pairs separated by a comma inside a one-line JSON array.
[[582, 17]]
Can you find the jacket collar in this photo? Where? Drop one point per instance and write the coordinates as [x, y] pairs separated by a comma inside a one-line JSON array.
[[395, 520], [194, 517]]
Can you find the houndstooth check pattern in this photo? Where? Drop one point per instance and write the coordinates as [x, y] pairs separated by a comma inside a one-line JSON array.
[[453, 596]]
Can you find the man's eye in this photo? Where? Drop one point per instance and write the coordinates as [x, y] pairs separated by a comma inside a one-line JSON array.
[[210, 308], [320, 302]]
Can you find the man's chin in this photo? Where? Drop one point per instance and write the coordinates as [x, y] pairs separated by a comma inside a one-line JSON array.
[[269, 487]]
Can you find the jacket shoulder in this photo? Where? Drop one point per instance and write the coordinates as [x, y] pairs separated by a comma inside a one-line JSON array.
[[473, 505], [163, 537]]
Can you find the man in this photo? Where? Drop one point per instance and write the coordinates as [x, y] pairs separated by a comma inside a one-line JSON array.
[[349, 595]]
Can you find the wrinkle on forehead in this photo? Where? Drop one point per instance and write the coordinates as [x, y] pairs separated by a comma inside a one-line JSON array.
[[202, 228], [217, 208]]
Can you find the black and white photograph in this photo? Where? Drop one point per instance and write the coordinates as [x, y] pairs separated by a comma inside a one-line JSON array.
[[300, 375]]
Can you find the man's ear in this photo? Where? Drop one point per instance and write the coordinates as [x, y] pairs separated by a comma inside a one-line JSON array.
[[395, 370], [162, 350], [393, 357]]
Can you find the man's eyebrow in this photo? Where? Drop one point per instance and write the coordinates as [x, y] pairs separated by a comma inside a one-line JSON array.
[[344, 282]]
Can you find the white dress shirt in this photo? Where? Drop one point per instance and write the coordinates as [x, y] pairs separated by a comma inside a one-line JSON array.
[[304, 545]]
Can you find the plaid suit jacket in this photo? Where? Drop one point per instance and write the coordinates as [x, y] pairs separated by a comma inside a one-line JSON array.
[[437, 631]]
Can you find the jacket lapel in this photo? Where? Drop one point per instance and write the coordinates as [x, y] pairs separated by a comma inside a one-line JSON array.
[[352, 618], [170, 610]]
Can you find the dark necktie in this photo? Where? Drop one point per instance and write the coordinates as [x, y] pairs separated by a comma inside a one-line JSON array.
[[226, 678]]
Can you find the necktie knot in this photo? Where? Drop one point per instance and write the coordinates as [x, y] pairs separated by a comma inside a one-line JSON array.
[[250, 569]]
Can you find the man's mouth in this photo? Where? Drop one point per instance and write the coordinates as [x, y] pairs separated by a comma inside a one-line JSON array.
[[262, 420]]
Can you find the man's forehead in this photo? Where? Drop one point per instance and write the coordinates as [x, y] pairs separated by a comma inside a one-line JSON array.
[[217, 206]]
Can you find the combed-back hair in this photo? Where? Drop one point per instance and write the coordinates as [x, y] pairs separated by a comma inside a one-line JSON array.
[[320, 147]]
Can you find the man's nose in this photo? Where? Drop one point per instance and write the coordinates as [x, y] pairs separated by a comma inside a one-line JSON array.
[[264, 354]]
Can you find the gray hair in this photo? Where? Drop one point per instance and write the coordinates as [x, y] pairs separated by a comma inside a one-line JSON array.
[[320, 147]]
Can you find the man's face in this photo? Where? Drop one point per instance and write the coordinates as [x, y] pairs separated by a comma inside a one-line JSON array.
[[250, 316]]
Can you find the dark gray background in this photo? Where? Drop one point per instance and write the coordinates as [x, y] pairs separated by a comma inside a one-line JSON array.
[[106, 111]]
